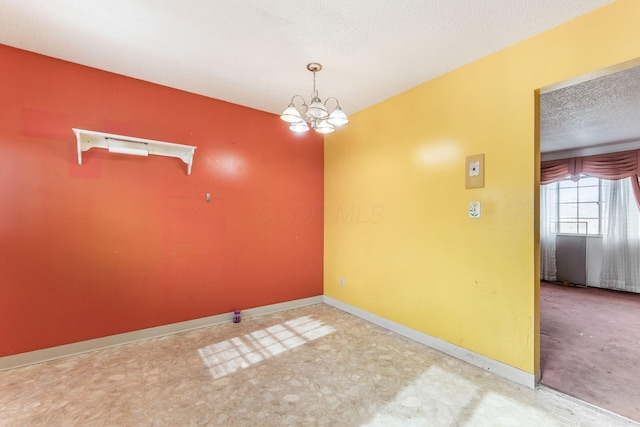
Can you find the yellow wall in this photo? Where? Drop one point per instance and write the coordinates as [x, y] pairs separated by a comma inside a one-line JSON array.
[[397, 225]]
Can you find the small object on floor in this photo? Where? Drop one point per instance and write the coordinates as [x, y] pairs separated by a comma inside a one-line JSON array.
[[236, 316]]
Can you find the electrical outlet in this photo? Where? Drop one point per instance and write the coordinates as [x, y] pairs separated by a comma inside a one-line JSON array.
[[474, 210], [342, 281]]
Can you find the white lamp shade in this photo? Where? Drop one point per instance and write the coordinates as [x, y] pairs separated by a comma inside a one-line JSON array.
[[338, 117], [325, 127], [317, 110], [291, 115], [299, 127]]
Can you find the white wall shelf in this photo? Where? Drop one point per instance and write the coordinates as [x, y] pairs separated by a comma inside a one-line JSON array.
[[88, 139]]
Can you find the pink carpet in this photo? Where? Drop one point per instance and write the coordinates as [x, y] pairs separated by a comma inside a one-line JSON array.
[[590, 346]]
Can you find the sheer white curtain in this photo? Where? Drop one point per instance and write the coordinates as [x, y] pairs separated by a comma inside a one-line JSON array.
[[548, 230], [621, 238]]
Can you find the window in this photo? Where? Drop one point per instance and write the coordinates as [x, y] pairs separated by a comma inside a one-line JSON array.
[[579, 206]]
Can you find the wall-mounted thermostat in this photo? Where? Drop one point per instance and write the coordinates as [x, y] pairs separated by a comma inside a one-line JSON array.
[[474, 171]]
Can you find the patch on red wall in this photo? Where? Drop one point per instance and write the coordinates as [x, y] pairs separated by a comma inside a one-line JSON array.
[[45, 124], [118, 127]]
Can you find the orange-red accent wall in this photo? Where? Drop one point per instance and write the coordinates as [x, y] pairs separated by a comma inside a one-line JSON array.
[[123, 243]]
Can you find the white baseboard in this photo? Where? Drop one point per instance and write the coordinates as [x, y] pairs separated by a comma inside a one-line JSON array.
[[39, 356], [506, 371]]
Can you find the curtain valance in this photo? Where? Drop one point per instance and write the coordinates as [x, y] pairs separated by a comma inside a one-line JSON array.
[[612, 166]]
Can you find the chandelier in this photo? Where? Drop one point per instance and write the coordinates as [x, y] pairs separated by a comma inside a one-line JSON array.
[[315, 116]]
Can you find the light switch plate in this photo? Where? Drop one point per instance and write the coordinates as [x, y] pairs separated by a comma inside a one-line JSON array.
[[474, 210]]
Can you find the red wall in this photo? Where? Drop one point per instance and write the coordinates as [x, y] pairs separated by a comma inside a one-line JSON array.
[[121, 242]]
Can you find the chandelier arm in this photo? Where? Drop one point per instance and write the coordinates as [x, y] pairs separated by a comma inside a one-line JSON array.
[[298, 96], [335, 99]]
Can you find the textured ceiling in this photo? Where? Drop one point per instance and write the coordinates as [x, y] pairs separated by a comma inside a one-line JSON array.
[[602, 111], [254, 53]]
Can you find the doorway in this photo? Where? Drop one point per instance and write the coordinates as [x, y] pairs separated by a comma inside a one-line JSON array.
[[587, 349]]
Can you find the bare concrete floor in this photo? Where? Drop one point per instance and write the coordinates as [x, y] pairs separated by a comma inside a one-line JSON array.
[[311, 366]]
